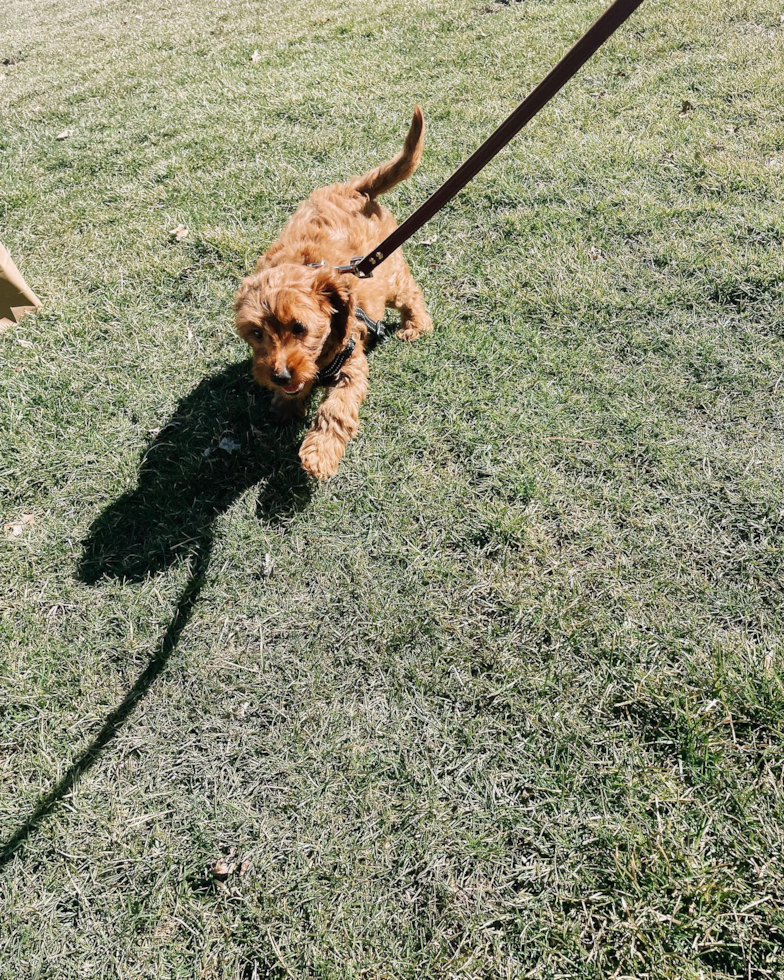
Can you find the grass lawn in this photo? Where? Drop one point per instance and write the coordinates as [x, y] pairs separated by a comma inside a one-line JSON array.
[[503, 699]]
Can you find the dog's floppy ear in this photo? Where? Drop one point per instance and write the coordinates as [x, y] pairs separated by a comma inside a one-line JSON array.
[[249, 307], [335, 291]]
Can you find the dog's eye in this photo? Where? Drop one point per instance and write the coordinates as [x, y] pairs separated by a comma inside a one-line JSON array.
[[297, 329], [257, 334]]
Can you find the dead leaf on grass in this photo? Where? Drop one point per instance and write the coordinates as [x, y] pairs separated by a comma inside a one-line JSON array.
[[16, 528], [686, 108], [178, 233], [165, 928], [226, 866], [66, 134], [238, 712], [255, 56]]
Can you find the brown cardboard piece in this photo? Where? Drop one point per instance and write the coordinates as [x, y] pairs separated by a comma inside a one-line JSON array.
[[16, 297]]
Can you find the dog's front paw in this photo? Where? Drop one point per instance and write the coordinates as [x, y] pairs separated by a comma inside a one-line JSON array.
[[320, 456]]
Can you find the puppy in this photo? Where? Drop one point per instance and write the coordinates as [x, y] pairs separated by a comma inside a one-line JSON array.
[[304, 322]]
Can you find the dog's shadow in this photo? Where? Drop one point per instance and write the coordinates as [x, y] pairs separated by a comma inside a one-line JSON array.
[[216, 445]]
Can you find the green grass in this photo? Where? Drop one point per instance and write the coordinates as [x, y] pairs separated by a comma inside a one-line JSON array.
[[504, 699]]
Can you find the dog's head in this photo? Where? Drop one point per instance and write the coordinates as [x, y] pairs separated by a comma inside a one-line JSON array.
[[290, 315]]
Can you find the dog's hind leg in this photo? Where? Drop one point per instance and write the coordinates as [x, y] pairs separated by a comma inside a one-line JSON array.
[[337, 420]]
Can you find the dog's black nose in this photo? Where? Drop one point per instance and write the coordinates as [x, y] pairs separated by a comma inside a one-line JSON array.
[[281, 377]]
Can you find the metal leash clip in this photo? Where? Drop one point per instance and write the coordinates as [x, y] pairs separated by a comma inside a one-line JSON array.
[[352, 267]]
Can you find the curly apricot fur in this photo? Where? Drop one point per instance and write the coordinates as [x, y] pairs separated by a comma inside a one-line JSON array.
[[297, 318]]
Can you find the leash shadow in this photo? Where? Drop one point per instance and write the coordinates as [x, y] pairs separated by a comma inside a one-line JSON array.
[[218, 443]]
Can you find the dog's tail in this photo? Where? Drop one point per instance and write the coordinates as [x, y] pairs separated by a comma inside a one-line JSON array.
[[399, 168]]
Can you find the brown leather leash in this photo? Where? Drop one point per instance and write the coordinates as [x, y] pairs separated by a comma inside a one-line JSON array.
[[552, 83]]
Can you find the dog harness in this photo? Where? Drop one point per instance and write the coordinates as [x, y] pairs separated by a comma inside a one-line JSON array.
[[377, 330], [330, 373]]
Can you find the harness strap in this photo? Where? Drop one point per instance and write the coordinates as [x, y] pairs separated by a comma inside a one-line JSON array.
[[376, 329], [330, 373]]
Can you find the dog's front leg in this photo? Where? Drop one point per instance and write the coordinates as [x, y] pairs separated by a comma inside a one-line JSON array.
[[337, 420]]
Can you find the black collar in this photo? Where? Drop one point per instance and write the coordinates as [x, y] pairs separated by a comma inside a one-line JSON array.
[[330, 373], [377, 332]]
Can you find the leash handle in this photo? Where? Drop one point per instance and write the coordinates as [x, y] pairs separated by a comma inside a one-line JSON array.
[[550, 85]]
